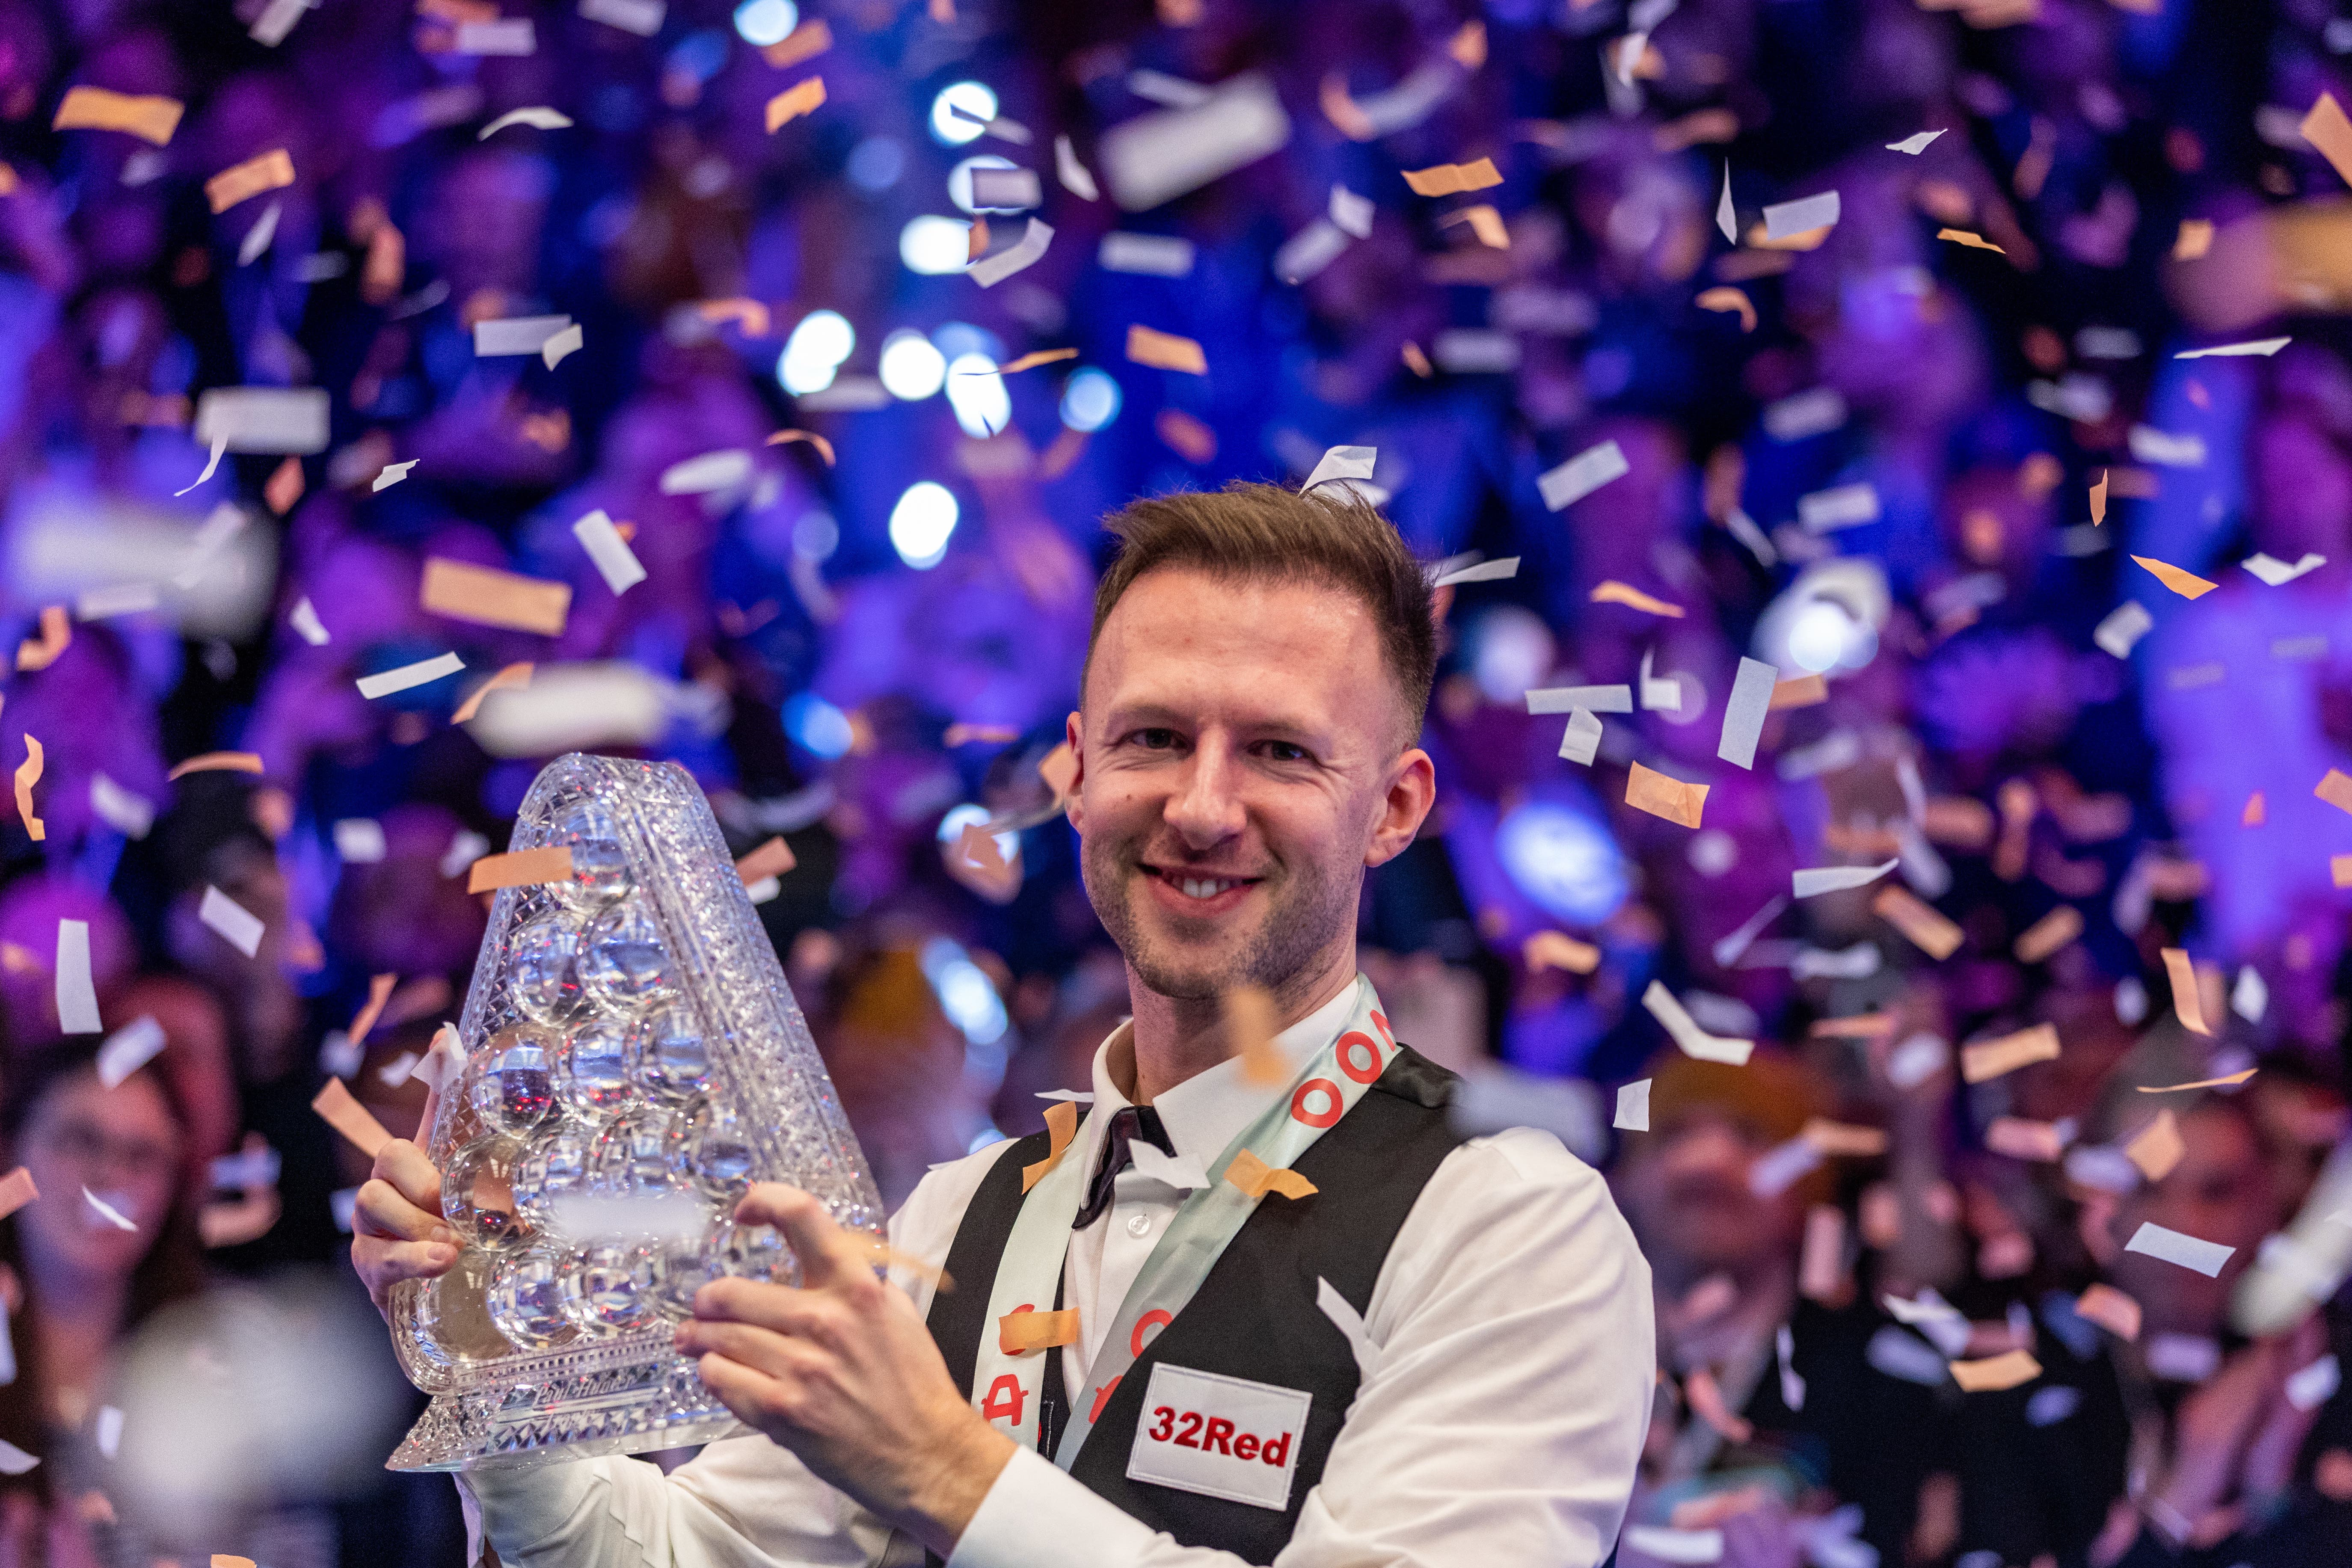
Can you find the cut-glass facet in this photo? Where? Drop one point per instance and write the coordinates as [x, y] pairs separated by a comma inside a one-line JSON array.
[[607, 1287], [622, 961], [509, 1083], [673, 1058], [710, 1150], [526, 1298], [600, 865], [543, 960], [592, 1071], [478, 1195]]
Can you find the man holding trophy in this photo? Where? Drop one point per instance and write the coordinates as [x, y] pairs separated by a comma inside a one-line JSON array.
[[1260, 1305]]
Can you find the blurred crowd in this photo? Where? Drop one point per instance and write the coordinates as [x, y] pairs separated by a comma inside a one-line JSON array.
[[1925, 468]]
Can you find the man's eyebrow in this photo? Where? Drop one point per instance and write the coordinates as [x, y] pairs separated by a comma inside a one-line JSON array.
[[1151, 715]]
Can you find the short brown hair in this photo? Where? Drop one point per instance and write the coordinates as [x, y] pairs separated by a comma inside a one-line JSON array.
[[1250, 531]]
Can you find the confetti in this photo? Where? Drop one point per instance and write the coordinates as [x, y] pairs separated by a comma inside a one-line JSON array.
[[2186, 1004], [1483, 572], [1061, 1125], [17, 1190], [2020, 1139], [1786, 220], [1581, 475], [1075, 176], [1017, 1333], [2326, 129], [520, 869], [1914, 143], [610, 553], [2232, 1081], [513, 678], [506, 335], [2195, 239], [2123, 628], [561, 346], [1725, 298], [1798, 691], [1974, 242], [1990, 1059], [236, 925], [76, 992], [1660, 795], [1632, 1107], [1165, 351], [487, 596], [216, 762], [1586, 699], [28, 773], [1661, 1004], [2187, 584], [1615, 593], [1843, 1140], [271, 171], [105, 1213], [127, 1049], [424, 672], [2264, 347], [2111, 1310], [2278, 574], [2153, 1240], [824, 448], [1154, 158], [800, 98], [56, 635], [2008, 1370], [264, 419], [1557, 950], [2048, 934], [2099, 499], [148, 118], [347, 1116], [773, 858], [1255, 1178], [805, 42], [537, 116], [1814, 881], [643, 17], [1454, 179], [130, 815], [2157, 1148]]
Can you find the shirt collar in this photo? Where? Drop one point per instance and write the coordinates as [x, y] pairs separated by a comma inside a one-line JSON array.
[[1209, 1110]]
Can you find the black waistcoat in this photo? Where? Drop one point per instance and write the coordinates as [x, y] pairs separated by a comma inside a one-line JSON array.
[[1254, 1316]]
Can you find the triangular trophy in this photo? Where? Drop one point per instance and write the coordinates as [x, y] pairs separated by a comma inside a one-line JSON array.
[[633, 1061]]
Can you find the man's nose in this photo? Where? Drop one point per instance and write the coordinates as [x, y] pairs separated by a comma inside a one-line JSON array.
[[1206, 809]]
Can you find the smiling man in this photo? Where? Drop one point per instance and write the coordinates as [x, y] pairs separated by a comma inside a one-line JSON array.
[[1263, 1309]]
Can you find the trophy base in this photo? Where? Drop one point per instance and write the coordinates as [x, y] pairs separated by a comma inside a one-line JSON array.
[[634, 1409]]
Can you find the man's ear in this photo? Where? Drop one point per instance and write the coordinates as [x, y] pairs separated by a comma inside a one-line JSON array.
[[1412, 790], [1071, 731]]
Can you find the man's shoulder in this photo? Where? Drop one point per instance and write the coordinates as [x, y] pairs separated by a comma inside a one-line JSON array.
[[938, 1200]]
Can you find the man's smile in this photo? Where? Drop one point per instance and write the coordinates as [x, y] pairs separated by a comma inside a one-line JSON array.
[[1196, 892]]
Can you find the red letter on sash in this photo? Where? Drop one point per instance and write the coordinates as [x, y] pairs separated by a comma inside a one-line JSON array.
[[1102, 1397], [1005, 1397]]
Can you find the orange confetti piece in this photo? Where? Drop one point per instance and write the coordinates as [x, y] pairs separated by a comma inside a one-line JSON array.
[[2187, 584], [2111, 1310], [1989, 1059], [749, 314], [1467, 47], [2339, 870], [1994, 1373], [1340, 110], [1821, 1259], [1165, 351], [285, 487], [824, 448], [151, 119], [1250, 1028], [56, 635], [242, 182], [1415, 361], [347, 1116], [1061, 1126], [2048, 934], [1185, 436], [1855, 1026], [1921, 922], [773, 858], [2195, 239], [1647, 790], [379, 993], [1018, 1334], [1798, 691], [1705, 1396], [1032, 361], [1557, 950], [2185, 1000], [2326, 129], [2336, 789], [17, 1190], [520, 869], [2019, 1139], [979, 736], [1255, 1178], [1454, 179], [2099, 499], [800, 98], [2256, 813], [489, 597], [1843, 1139], [1613, 592], [805, 42], [2157, 1148], [1973, 241], [513, 678], [28, 773], [975, 239], [2232, 1081], [1485, 222], [1724, 297]]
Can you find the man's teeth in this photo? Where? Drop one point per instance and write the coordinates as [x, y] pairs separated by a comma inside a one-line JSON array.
[[1203, 887]]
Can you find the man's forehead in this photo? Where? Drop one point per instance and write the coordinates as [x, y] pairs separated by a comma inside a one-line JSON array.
[[1182, 634]]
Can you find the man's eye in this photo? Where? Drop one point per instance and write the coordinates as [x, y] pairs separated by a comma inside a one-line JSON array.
[[1155, 739], [1284, 752]]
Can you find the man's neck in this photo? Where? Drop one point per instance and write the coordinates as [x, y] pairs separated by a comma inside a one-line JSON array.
[[1177, 1037]]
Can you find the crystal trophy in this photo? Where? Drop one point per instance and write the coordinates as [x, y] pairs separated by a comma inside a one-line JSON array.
[[633, 1062]]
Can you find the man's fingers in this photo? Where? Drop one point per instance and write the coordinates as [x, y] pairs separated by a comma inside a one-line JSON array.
[[757, 1399], [403, 1165], [764, 1351], [381, 1210], [402, 1260], [826, 1252], [424, 1137]]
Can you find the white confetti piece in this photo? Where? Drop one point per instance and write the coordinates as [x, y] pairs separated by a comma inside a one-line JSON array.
[[1725, 219], [1581, 742], [212, 465], [1342, 463], [77, 996], [275, 419], [422, 673], [1346, 1318], [1634, 1107], [398, 1070], [1155, 158], [238, 925], [129, 815], [1350, 213], [1792, 1386], [1075, 176], [305, 621], [2265, 347], [1681, 1547], [561, 346], [1745, 711], [123, 599], [1914, 143], [1152, 254], [247, 1168], [105, 1213], [14, 1462], [2124, 625], [1693, 1040], [764, 891], [1590, 699], [2149, 445], [393, 474], [463, 850], [1480, 572], [1814, 412], [1581, 475], [1815, 880], [643, 17], [2310, 1387], [2277, 572], [539, 116], [1658, 695], [1800, 216], [269, 30], [1776, 1171], [110, 1430], [1842, 506], [2205, 1256], [516, 334], [991, 270], [1005, 190], [359, 840], [225, 522], [257, 237], [338, 1055], [128, 1050], [508, 35], [609, 551], [1309, 251], [710, 472]]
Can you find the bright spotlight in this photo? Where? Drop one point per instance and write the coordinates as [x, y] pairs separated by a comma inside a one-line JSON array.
[[1090, 400], [814, 352], [922, 524], [935, 246], [763, 21], [977, 395], [954, 129], [911, 368]]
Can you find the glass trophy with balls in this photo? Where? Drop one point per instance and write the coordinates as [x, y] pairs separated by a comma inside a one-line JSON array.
[[633, 1061]]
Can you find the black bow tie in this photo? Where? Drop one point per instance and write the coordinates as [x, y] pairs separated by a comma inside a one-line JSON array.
[[1127, 1124]]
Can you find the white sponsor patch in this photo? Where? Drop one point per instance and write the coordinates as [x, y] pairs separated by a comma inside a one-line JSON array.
[[1220, 1437]]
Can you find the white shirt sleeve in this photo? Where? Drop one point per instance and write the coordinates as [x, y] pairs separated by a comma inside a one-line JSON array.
[[742, 1500], [1518, 1353]]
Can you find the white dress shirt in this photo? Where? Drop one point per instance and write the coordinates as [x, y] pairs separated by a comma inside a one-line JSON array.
[[1513, 1317]]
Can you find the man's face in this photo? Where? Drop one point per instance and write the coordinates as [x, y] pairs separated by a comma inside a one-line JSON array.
[[1238, 771], [1685, 1192]]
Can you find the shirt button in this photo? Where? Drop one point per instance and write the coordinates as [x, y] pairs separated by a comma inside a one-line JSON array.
[[1139, 1224]]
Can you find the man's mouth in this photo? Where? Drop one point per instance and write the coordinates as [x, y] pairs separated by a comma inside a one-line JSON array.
[[1199, 888]]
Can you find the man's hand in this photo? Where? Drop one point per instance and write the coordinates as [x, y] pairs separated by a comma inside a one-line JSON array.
[[843, 1373], [396, 1228]]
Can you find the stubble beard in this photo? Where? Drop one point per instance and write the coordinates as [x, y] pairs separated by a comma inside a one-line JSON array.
[[1306, 911]]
